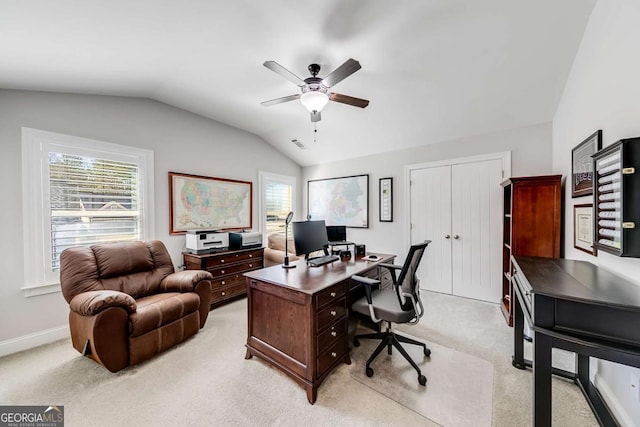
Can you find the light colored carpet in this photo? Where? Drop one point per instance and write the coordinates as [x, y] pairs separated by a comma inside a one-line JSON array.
[[206, 381], [452, 377]]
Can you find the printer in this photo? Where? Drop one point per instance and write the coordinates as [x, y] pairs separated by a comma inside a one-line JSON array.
[[204, 242], [245, 240]]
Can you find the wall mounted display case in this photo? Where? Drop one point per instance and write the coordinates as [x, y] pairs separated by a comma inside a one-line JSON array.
[[617, 198]]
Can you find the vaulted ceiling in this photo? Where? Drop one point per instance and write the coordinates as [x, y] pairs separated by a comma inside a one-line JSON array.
[[433, 70]]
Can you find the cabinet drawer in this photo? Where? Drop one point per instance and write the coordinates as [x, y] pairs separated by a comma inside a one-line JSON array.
[[331, 335], [329, 357], [225, 292], [331, 313], [385, 278], [222, 260], [330, 295], [235, 268], [234, 279]]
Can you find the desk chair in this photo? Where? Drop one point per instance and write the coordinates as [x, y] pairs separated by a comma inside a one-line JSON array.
[[399, 303]]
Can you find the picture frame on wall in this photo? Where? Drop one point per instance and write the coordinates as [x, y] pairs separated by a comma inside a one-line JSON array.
[[340, 201], [385, 198], [583, 228], [582, 165], [206, 203]]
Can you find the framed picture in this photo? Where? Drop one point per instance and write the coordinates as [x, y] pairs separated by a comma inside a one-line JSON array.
[[340, 201], [205, 203], [385, 197], [583, 228], [582, 165]]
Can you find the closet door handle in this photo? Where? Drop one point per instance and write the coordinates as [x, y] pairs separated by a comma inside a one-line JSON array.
[[447, 237], [455, 236]]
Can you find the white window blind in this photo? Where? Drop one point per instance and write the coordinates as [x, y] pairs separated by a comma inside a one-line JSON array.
[[79, 191], [92, 200], [277, 201]]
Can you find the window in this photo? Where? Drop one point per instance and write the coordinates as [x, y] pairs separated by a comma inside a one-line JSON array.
[[276, 201], [79, 191]]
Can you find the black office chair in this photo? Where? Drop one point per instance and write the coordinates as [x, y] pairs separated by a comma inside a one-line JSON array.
[[397, 304]]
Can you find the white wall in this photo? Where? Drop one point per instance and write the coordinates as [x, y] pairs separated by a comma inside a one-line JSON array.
[[603, 92], [531, 155], [181, 141]]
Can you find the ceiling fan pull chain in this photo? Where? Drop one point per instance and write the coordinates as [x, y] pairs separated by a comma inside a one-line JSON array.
[[315, 131]]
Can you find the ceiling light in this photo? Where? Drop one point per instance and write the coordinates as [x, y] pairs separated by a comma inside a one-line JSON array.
[[314, 100]]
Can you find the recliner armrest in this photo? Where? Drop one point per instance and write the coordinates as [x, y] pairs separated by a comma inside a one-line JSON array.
[[184, 281], [93, 302]]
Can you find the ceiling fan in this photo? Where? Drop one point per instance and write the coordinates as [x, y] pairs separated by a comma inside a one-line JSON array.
[[315, 90]]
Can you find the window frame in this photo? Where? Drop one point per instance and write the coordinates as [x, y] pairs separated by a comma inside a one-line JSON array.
[[265, 178], [39, 278]]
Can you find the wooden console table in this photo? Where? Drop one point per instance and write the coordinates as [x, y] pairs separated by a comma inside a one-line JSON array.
[[578, 307], [227, 268], [298, 318]]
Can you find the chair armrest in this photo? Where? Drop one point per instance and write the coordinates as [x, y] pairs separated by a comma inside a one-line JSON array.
[[93, 302], [392, 269], [368, 283], [184, 281]]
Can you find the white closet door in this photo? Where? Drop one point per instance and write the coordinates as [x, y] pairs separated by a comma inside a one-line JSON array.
[[431, 220], [476, 223]]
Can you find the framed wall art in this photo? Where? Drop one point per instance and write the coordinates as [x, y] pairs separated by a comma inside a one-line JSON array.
[[582, 165], [385, 197], [340, 201], [206, 203], [583, 228]]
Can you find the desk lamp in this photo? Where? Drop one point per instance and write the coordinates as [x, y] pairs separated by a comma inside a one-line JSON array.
[[286, 264]]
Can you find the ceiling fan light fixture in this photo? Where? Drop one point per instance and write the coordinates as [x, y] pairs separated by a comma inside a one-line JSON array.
[[314, 100]]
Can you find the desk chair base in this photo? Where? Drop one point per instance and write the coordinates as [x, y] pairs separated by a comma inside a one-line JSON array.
[[389, 339]]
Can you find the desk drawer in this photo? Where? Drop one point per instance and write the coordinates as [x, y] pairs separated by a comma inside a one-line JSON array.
[[329, 357], [330, 295], [331, 335], [330, 314]]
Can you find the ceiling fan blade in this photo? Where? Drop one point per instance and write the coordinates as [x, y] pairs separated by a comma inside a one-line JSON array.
[[350, 100], [342, 72], [279, 69], [280, 100], [315, 117]]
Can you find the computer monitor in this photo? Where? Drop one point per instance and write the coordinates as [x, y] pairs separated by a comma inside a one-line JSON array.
[[337, 233], [310, 236]]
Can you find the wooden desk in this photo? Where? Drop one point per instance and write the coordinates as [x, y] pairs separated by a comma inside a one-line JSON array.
[[298, 317], [578, 307]]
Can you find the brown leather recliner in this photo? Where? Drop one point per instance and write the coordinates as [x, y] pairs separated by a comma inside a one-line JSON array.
[[126, 302]]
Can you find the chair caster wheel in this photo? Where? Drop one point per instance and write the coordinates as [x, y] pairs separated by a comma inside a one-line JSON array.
[[427, 352], [369, 373], [422, 379], [356, 342]]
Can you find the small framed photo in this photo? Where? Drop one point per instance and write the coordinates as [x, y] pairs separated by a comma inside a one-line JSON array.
[[583, 228], [582, 165], [386, 199]]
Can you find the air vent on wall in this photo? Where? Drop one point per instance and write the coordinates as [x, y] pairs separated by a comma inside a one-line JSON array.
[[299, 144]]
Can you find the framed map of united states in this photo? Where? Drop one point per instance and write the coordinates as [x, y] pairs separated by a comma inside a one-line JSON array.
[[205, 203]]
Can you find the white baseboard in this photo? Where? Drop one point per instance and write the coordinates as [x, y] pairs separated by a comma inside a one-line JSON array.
[[612, 402], [26, 342]]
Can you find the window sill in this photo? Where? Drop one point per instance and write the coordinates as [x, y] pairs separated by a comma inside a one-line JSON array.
[[34, 291]]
